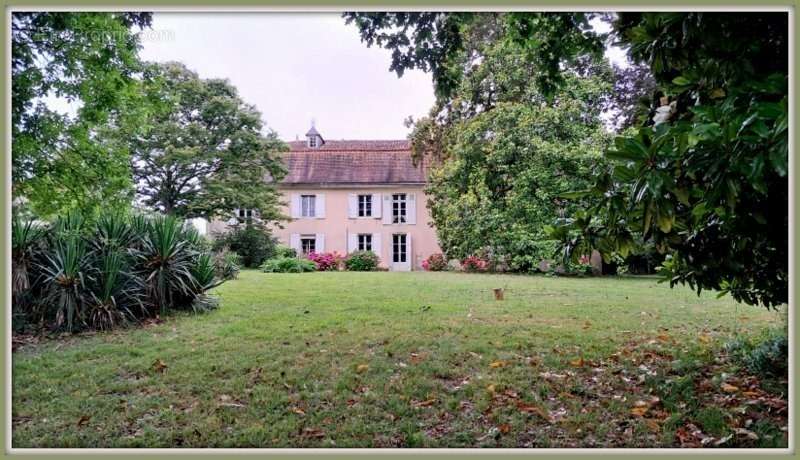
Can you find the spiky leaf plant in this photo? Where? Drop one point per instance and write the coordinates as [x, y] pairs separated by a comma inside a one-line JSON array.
[[165, 260], [117, 295], [204, 273], [63, 274]]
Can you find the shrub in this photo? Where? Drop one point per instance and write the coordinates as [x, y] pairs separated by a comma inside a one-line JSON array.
[[252, 242], [435, 263], [326, 261], [226, 264], [768, 357], [74, 275], [474, 264], [166, 262], [362, 261], [288, 265], [281, 250]]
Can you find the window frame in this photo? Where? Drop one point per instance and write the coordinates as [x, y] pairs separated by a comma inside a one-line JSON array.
[[364, 242], [399, 249], [364, 205], [308, 205], [399, 208], [312, 243]]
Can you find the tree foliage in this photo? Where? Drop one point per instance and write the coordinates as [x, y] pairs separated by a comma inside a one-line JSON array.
[[505, 141], [89, 60], [709, 184], [202, 152]]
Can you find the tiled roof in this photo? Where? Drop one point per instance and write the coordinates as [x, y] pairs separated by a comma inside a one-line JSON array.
[[352, 162]]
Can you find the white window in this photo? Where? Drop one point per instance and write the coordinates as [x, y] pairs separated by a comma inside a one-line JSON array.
[[308, 205], [399, 248], [244, 213], [308, 243], [399, 208], [365, 241], [312, 141], [364, 205]]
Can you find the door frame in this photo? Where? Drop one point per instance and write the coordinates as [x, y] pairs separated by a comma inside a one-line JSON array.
[[400, 266]]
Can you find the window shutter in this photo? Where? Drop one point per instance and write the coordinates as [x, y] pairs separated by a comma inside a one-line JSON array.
[[409, 252], [319, 243], [411, 209], [352, 205], [352, 242], [376, 244], [320, 205], [387, 209], [294, 206], [376, 205], [294, 242]]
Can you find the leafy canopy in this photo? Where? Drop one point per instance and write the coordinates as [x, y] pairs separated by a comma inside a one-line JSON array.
[[202, 152], [91, 61], [708, 185]]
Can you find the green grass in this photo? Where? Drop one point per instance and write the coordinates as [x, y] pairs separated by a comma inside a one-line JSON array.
[[393, 359]]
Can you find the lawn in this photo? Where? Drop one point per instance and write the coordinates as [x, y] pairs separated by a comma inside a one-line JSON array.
[[409, 360]]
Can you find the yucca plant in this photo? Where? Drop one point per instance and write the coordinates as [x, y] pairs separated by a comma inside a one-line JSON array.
[[204, 273], [165, 263], [64, 275], [117, 295], [113, 232], [27, 240], [70, 225]]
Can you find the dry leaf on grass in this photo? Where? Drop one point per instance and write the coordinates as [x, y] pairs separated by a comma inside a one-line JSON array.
[[496, 364], [83, 420], [362, 368], [577, 362], [159, 366], [728, 388]]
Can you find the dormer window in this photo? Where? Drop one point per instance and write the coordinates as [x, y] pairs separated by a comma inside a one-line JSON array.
[[314, 138]]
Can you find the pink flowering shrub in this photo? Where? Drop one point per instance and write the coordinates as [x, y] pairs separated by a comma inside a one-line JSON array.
[[326, 260], [474, 264], [435, 263]]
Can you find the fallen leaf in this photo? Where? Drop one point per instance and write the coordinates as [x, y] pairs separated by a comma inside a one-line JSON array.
[[426, 403], [313, 433], [577, 362], [652, 425], [728, 388], [84, 420], [640, 411], [298, 411], [490, 388], [504, 428], [159, 366], [497, 364], [531, 409], [704, 338], [663, 337], [587, 325], [362, 368]]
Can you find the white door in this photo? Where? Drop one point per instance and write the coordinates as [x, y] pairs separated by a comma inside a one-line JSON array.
[[401, 252]]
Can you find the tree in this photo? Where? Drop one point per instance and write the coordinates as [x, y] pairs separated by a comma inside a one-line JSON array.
[[707, 180], [89, 59], [504, 149], [202, 152], [708, 185]]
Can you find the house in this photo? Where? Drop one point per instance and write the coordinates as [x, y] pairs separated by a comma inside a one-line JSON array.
[[345, 196]]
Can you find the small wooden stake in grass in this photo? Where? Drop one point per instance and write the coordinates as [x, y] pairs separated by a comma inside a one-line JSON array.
[[498, 293]]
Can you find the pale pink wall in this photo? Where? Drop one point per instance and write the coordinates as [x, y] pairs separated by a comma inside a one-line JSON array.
[[336, 224]]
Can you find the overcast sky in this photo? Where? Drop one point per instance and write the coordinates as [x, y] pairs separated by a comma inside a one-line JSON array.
[[295, 67]]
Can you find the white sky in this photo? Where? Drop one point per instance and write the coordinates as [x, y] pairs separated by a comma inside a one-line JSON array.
[[294, 67]]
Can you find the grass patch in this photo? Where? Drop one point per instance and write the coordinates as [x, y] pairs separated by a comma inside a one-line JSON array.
[[400, 360]]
